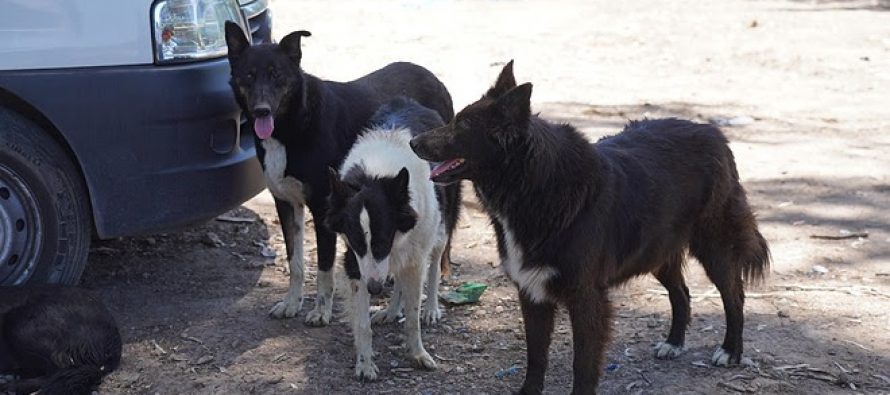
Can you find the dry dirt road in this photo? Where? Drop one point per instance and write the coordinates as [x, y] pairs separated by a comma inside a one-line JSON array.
[[808, 84]]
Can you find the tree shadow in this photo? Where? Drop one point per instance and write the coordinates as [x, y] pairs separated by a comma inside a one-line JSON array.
[[182, 299], [828, 206], [840, 5]]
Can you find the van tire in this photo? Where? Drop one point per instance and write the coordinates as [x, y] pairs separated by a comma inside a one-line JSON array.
[[45, 220]]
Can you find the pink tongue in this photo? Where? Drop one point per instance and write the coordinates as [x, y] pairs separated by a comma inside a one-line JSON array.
[[442, 167], [264, 126]]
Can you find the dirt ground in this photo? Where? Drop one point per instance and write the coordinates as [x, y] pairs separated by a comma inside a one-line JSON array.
[[806, 85]]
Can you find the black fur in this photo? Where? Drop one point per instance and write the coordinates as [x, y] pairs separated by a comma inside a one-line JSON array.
[[600, 214], [60, 340], [317, 121]]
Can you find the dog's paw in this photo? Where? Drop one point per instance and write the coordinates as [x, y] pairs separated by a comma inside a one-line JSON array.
[[431, 316], [665, 350], [286, 309], [384, 317], [722, 357], [366, 370], [424, 360], [318, 317]]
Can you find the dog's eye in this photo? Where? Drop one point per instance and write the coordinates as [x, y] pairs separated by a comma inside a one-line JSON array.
[[250, 76], [463, 124]]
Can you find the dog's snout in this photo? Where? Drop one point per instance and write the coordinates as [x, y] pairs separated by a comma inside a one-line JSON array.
[[262, 111], [374, 287], [419, 147]]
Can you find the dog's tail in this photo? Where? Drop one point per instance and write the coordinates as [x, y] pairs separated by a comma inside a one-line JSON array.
[[80, 379], [755, 260]]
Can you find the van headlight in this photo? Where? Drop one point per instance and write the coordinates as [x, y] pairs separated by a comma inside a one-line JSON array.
[[187, 30]]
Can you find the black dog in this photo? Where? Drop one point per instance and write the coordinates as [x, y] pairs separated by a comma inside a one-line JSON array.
[[60, 340], [574, 219], [304, 126]]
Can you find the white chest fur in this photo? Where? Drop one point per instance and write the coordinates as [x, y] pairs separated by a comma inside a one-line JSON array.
[[531, 281], [275, 161]]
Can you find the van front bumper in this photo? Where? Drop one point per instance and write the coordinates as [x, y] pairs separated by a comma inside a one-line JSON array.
[[160, 147]]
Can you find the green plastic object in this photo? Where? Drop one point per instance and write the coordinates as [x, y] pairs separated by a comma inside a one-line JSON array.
[[466, 293]]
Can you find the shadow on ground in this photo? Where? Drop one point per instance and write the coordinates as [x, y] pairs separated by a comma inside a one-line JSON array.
[[846, 5]]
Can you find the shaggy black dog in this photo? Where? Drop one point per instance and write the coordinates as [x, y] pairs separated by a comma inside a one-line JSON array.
[[573, 219], [59, 340]]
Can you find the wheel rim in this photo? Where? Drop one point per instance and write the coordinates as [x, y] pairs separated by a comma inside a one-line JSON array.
[[20, 229]]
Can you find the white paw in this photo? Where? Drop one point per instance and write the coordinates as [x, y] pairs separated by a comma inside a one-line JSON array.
[[424, 360], [665, 350], [365, 369], [319, 316], [384, 317], [431, 316], [721, 357], [286, 309]]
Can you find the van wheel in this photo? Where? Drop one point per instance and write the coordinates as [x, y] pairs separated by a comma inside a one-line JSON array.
[[45, 223]]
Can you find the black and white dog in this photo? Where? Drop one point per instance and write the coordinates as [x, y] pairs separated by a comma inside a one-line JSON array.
[[304, 126], [60, 340], [393, 220], [574, 219]]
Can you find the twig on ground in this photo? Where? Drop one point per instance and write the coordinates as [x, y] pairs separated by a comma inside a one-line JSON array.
[[631, 385], [841, 367], [841, 237], [828, 378], [234, 219], [701, 364], [790, 289], [792, 367], [192, 338], [158, 347], [280, 357], [857, 345], [732, 386], [849, 289]]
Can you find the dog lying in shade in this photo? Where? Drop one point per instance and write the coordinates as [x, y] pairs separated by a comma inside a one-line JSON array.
[[58, 340]]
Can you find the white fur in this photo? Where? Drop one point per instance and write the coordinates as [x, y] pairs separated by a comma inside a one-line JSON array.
[[361, 332], [532, 281], [384, 153], [720, 357], [275, 161], [324, 301], [290, 190], [665, 350], [368, 265]]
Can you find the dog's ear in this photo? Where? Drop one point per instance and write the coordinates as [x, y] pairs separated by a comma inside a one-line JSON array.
[[397, 190], [340, 191], [504, 83], [290, 44], [235, 40], [516, 103]]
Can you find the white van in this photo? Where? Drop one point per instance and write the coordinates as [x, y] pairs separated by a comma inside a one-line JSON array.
[[116, 118]]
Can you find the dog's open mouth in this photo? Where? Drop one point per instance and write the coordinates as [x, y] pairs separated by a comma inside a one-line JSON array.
[[447, 171], [264, 126]]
